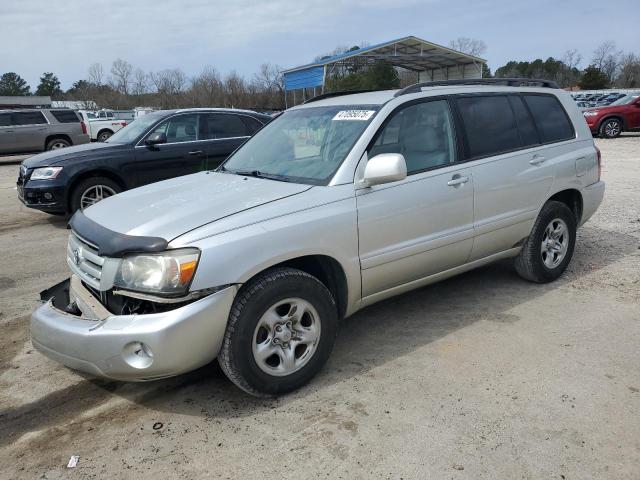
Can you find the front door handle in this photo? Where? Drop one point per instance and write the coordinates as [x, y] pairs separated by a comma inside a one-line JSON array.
[[457, 180], [537, 160], [196, 152]]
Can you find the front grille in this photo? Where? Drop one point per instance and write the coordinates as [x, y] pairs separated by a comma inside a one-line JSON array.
[[84, 261]]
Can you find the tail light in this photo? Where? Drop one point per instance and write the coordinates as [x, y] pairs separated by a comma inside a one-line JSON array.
[[84, 127], [599, 157]]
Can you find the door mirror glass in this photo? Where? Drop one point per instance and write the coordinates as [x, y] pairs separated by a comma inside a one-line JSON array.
[[385, 168], [156, 138]]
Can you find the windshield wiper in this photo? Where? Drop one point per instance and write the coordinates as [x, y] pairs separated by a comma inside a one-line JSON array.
[[259, 174]]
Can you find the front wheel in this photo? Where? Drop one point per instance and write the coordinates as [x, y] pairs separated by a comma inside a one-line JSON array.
[[57, 143], [548, 250], [611, 128], [92, 190], [280, 332]]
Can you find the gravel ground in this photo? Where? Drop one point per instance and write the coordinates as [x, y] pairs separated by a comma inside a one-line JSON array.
[[480, 376]]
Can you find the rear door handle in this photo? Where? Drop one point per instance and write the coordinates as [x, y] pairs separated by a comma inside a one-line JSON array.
[[537, 160], [196, 152], [457, 180]]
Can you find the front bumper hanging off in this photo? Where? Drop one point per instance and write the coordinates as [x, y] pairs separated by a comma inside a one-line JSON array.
[[128, 347]]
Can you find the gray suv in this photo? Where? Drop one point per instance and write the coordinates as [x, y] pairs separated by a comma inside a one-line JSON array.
[[40, 129], [334, 205]]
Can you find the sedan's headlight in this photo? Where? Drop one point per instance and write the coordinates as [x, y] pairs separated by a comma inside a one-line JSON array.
[[166, 273], [589, 114], [46, 173]]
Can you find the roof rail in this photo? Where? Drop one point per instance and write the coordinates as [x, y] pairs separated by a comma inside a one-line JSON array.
[[336, 94], [506, 82]]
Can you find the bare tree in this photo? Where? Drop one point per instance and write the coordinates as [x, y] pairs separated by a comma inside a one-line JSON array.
[[629, 76], [96, 74], [140, 82], [606, 58], [235, 88], [572, 58], [169, 84], [570, 74], [121, 71], [269, 78], [470, 46], [206, 89]]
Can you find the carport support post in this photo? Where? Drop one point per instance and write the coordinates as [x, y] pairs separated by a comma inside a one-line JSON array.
[[324, 78]]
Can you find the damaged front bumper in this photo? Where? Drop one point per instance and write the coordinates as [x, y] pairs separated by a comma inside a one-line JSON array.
[[128, 347]]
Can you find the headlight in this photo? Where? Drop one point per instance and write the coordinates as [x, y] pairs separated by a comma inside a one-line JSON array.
[[589, 114], [166, 273], [45, 173]]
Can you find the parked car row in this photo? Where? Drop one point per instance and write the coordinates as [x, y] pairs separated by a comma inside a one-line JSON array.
[[156, 146], [101, 125], [590, 100]]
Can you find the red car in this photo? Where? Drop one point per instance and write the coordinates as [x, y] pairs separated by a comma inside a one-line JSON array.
[[621, 116]]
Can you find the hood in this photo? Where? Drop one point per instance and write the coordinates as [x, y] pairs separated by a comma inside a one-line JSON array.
[[174, 207], [77, 152]]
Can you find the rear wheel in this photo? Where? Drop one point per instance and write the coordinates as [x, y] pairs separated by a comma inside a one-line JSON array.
[[280, 332], [104, 135], [57, 143], [611, 128], [92, 190], [548, 250]]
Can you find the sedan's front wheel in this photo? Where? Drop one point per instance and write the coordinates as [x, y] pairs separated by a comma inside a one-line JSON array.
[[280, 333]]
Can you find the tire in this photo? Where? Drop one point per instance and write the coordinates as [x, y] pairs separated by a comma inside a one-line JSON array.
[[253, 353], [57, 143], [83, 192], [104, 135], [544, 258], [610, 128]]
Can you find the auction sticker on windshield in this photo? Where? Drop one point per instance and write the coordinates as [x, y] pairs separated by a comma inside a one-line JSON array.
[[363, 115]]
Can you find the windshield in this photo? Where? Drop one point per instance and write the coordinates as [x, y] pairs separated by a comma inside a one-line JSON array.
[[624, 100], [305, 146], [137, 127]]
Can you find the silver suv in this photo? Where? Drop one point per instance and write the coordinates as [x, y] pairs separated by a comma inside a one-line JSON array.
[[335, 205], [35, 130]]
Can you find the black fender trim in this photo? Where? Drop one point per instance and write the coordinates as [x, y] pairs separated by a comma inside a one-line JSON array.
[[110, 243]]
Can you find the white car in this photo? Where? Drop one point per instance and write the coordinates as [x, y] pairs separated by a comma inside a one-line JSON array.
[[101, 127], [334, 205]]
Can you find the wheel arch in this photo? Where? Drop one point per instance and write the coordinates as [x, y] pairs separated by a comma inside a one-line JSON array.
[[609, 117], [92, 173], [572, 198], [102, 130], [326, 269]]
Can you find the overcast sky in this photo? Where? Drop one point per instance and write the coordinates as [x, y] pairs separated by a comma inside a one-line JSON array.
[[66, 36]]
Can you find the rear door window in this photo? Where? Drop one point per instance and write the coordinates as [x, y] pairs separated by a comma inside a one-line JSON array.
[[550, 117], [28, 118], [5, 119], [526, 127], [65, 116], [489, 124], [221, 125]]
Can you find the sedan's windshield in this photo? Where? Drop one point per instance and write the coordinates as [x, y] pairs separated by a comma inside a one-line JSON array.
[[137, 127], [306, 145], [624, 100]]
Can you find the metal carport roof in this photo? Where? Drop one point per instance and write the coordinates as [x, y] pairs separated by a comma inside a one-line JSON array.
[[410, 53]]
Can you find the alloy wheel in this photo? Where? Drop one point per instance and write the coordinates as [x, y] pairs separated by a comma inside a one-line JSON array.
[[94, 194], [555, 243], [286, 337]]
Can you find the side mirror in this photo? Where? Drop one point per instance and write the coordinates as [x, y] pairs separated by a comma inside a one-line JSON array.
[[385, 168], [155, 139]]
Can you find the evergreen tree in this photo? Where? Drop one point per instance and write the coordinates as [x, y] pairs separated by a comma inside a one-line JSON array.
[[11, 84]]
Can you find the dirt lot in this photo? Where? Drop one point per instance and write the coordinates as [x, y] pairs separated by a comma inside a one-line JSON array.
[[481, 376]]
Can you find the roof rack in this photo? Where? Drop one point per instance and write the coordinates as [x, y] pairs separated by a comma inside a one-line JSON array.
[[336, 94], [506, 82]]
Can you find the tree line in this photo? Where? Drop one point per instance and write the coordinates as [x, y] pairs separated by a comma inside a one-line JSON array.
[[125, 86]]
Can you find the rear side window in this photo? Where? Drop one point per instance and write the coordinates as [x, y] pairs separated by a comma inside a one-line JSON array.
[[551, 119], [252, 125], [219, 125], [490, 125], [526, 127], [28, 118], [65, 116]]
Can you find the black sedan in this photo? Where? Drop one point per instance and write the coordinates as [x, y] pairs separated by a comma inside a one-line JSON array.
[[154, 147]]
